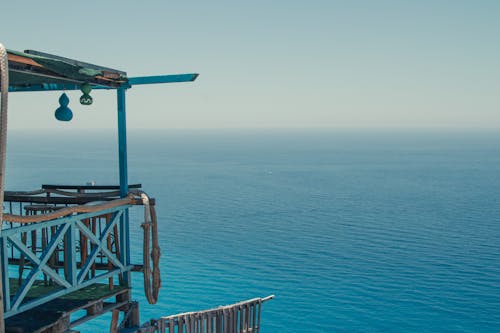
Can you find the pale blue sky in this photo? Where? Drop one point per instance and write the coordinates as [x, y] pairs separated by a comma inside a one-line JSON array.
[[271, 63]]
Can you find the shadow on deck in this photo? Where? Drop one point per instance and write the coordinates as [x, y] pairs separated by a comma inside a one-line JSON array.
[[84, 304]]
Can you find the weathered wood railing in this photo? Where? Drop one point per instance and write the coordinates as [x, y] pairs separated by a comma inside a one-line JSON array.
[[242, 317]]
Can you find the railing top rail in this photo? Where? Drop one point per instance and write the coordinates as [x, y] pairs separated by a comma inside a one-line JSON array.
[[87, 187], [69, 194], [220, 308], [68, 211]]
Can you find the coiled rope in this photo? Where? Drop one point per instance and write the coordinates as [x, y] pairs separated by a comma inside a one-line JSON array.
[[4, 86], [152, 281]]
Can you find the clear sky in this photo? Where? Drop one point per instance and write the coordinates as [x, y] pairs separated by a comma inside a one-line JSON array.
[[422, 63]]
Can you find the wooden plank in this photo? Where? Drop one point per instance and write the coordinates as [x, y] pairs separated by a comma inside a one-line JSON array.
[[106, 308], [113, 327], [95, 308], [180, 324], [62, 325], [171, 327]]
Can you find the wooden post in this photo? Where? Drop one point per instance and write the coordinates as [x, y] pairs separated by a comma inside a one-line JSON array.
[[134, 319], [4, 86], [113, 328]]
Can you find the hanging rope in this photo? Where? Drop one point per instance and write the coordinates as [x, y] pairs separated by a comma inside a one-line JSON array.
[[67, 211], [152, 281]]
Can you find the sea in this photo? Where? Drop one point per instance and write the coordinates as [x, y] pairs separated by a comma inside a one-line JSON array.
[[352, 230]]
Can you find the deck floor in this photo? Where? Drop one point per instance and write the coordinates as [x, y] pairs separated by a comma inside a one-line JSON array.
[[55, 316]]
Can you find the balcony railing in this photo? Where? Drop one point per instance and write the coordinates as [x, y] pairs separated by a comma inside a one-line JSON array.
[[60, 239]]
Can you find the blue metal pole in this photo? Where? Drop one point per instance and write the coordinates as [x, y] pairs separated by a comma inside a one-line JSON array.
[[122, 142], [71, 254], [122, 151]]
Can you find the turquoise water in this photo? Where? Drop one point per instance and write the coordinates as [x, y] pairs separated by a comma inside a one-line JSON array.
[[352, 230]]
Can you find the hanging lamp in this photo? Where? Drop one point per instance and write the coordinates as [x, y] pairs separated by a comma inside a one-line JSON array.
[[63, 113]]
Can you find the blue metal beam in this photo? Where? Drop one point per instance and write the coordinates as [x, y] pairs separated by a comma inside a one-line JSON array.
[[45, 87], [30, 279], [40, 264], [52, 87], [100, 245], [4, 261], [71, 254], [162, 79]]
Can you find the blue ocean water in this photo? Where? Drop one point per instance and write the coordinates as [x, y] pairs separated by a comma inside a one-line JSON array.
[[352, 230]]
